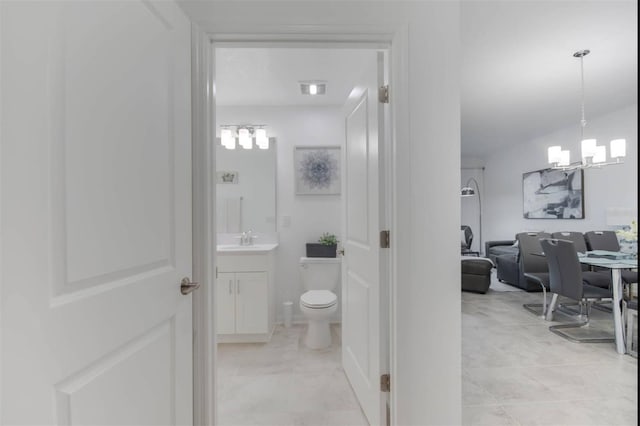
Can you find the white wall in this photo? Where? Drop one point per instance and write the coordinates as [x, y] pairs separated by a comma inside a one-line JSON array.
[[425, 101], [301, 218], [611, 186]]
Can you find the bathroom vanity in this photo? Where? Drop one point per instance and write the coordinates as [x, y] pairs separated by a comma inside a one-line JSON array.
[[245, 302]]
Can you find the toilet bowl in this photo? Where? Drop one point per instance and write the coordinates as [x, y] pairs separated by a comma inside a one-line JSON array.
[[318, 306], [319, 303]]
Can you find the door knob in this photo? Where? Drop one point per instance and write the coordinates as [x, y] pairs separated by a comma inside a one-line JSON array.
[[186, 286]]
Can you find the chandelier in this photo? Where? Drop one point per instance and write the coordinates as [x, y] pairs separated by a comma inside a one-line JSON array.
[[244, 135], [593, 155]]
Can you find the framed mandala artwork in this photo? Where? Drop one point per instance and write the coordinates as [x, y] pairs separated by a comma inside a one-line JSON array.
[[317, 170]]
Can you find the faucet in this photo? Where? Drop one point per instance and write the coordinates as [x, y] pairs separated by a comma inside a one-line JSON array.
[[246, 238]]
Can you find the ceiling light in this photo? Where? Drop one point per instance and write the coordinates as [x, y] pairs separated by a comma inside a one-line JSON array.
[[313, 87], [592, 154]]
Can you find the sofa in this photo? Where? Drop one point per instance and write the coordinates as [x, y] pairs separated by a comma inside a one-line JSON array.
[[493, 249], [522, 265]]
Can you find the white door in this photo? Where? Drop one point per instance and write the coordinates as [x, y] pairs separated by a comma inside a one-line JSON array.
[[95, 209], [361, 320]]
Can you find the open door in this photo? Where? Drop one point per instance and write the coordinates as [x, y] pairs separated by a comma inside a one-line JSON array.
[[363, 346], [95, 209]]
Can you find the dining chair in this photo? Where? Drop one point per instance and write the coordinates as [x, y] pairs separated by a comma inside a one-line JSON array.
[[595, 278], [630, 313], [565, 279], [608, 240], [533, 267]]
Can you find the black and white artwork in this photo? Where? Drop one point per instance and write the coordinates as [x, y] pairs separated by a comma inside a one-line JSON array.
[[317, 170], [553, 194]]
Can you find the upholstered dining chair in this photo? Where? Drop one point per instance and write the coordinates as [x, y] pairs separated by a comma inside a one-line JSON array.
[[533, 267], [630, 310], [608, 240], [596, 278], [565, 279]]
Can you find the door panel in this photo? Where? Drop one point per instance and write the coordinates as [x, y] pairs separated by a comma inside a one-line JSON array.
[[96, 213], [361, 347], [251, 309], [226, 303]]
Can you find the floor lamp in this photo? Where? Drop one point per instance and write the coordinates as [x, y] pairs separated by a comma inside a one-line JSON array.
[[468, 191]]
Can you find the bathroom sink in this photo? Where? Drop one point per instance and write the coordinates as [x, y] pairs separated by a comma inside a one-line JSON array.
[[249, 248]]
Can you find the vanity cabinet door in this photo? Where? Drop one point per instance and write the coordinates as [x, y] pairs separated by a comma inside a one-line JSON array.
[[252, 302], [225, 312]]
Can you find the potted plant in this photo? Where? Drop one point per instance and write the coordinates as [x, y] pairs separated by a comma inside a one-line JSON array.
[[325, 247]]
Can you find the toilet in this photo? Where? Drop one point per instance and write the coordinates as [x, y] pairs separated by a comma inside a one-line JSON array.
[[320, 277]]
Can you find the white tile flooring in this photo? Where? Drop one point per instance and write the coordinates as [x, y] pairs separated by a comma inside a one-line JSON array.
[[285, 383], [514, 372]]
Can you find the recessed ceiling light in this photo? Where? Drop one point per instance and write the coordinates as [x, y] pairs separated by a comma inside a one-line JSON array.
[[313, 87]]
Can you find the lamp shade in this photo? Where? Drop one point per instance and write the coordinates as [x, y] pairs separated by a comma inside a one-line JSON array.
[[588, 148], [553, 154], [245, 138], [227, 139], [600, 155], [618, 148], [261, 139]]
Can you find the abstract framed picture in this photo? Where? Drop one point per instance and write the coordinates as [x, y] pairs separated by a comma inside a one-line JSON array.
[[553, 194], [317, 170]]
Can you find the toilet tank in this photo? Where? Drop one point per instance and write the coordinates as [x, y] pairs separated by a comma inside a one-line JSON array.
[[320, 273]]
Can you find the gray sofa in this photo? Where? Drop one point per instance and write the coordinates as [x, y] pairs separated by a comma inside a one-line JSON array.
[[493, 249]]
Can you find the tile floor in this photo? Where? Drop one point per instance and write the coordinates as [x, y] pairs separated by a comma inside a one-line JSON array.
[[284, 383], [514, 372]]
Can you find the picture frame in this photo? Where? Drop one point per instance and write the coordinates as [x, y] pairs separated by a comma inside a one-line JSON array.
[[227, 177], [553, 194], [317, 170]]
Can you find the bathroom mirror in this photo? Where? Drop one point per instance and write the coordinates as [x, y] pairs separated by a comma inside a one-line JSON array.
[[246, 189]]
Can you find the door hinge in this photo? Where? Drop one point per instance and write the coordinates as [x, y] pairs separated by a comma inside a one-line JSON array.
[[385, 383], [385, 239], [383, 94]]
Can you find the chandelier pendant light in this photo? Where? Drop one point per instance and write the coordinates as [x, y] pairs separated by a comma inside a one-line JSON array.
[[592, 154], [244, 135]]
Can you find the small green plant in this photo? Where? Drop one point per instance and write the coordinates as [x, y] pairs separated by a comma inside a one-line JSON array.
[[328, 239]]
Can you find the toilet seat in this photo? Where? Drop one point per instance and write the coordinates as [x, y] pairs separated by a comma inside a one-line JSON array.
[[318, 299]]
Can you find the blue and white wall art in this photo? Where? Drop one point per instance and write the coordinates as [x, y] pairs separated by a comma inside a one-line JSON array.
[[317, 170]]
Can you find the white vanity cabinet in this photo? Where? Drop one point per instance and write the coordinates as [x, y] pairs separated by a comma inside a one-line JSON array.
[[245, 296]]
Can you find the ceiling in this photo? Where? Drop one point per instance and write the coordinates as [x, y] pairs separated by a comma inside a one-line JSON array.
[[519, 78]]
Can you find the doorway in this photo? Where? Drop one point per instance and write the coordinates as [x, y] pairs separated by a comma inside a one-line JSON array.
[[293, 121]]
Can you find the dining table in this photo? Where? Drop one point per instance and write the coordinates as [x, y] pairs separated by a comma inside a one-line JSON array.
[[615, 262]]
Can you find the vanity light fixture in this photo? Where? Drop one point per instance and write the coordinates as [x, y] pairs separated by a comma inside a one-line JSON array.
[[244, 135], [593, 155], [313, 87]]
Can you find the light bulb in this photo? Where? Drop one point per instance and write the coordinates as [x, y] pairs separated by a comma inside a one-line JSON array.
[[553, 154], [313, 89], [600, 155]]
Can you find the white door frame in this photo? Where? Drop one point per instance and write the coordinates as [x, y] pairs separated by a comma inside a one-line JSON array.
[[395, 40]]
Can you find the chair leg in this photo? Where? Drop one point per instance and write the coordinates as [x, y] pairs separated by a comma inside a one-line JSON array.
[[585, 309], [532, 307], [551, 307], [629, 334]]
